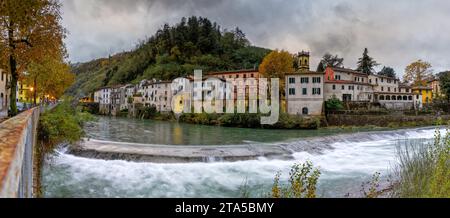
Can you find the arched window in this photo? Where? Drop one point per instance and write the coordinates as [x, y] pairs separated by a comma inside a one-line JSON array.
[[394, 97], [405, 98], [410, 98], [399, 98], [382, 97], [305, 111], [388, 98]]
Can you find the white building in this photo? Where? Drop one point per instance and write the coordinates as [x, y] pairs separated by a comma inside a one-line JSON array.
[[305, 93]]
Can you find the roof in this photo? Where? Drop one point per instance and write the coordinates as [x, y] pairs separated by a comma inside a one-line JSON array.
[[347, 82], [234, 71], [347, 70], [305, 73], [422, 88]]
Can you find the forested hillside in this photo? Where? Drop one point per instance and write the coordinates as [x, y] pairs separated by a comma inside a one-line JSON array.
[[173, 51]]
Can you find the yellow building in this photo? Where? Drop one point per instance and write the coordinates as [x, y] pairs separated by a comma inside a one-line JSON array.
[[26, 93], [426, 92]]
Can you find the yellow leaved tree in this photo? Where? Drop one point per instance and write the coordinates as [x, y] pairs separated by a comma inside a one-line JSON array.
[[275, 65], [29, 31]]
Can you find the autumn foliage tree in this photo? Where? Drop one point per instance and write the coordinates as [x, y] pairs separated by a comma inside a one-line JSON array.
[[29, 29], [418, 73], [276, 64], [40, 72]]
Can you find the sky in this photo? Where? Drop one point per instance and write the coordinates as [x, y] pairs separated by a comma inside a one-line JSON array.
[[395, 32]]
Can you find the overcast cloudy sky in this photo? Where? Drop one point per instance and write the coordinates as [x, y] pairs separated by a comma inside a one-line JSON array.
[[395, 32]]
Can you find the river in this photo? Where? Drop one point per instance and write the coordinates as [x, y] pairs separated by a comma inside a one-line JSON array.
[[351, 159]]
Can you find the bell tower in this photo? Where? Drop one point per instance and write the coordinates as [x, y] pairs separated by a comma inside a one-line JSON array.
[[303, 60]]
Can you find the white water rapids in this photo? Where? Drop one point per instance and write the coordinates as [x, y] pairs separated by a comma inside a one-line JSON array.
[[344, 168]]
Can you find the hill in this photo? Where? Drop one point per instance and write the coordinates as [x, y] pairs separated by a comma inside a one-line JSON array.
[[173, 51]]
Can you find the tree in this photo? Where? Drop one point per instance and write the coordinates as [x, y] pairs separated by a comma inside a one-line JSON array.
[[387, 71], [366, 63], [418, 73], [334, 104], [329, 60], [444, 82], [275, 65], [28, 30], [38, 75]]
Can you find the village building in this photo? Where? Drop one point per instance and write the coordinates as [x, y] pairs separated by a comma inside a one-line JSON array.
[[4, 93], [116, 99], [425, 92], [347, 85], [158, 94], [305, 93], [391, 94], [103, 97], [127, 96], [436, 87]]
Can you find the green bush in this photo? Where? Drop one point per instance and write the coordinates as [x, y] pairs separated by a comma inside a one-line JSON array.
[[62, 124], [334, 104], [302, 182]]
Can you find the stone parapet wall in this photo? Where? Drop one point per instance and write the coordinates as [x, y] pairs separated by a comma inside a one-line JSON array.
[[17, 140]]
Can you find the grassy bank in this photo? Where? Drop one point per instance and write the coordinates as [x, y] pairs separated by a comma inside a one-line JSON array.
[[62, 124], [424, 170]]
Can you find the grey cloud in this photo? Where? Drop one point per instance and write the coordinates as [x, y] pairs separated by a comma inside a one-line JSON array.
[[396, 32]]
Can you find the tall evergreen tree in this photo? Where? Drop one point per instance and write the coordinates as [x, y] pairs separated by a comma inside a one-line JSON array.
[[366, 63]]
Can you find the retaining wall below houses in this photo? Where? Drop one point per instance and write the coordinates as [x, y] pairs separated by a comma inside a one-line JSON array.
[[17, 141]]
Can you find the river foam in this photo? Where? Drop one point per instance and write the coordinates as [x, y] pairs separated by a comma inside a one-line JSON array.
[[352, 160]]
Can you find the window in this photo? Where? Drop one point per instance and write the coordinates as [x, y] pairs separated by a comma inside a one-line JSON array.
[[304, 80], [316, 91], [305, 111], [337, 77], [382, 80], [410, 98], [382, 88], [334, 87], [2, 76], [343, 87], [291, 91], [389, 89], [251, 75], [291, 80], [316, 79], [237, 76], [304, 91], [351, 88], [382, 97]]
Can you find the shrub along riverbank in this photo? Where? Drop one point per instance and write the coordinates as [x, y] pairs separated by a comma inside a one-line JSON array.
[[62, 124]]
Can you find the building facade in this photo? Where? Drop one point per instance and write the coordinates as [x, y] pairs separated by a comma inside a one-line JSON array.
[[4, 93], [305, 93]]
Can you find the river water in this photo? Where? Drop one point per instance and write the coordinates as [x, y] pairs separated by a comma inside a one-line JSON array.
[[352, 160]]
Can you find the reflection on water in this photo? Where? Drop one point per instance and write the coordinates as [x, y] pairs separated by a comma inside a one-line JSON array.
[[174, 133]]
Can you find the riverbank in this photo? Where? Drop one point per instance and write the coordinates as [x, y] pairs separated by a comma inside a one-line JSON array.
[[58, 124]]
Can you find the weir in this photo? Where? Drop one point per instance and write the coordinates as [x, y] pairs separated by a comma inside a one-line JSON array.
[[17, 142]]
